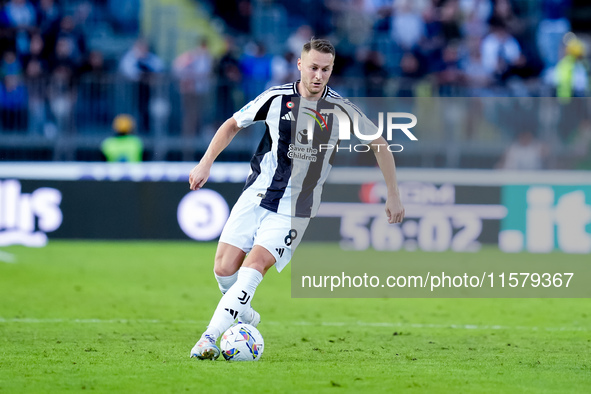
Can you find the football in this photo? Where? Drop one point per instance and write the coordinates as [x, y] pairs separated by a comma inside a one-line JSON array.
[[242, 342]]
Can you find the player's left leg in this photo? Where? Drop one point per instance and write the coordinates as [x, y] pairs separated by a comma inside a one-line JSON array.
[[235, 302], [235, 242]]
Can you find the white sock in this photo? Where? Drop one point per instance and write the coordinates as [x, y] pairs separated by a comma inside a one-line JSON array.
[[225, 282], [235, 302]]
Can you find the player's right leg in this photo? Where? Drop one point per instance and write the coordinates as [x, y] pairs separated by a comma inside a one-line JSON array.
[[228, 260]]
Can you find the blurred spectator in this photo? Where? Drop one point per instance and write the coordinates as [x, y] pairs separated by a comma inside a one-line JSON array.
[[13, 103], [62, 95], [353, 24], [140, 65], [504, 11], [61, 90], [93, 64], [36, 71], [48, 15], [375, 74], [83, 14], [378, 8], [256, 70], [194, 69], [125, 14], [70, 32], [298, 38], [229, 77], [64, 55], [480, 10], [431, 46], [20, 13], [450, 76], [553, 26], [36, 52], [10, 65], [283, 69], [476, 14], [94, 102], [500, 51], [450, 17], [35, 78], [408, 27], [123, 146], [139, 61], [410, 73], [477, 78], [525, 153], [21, 17]]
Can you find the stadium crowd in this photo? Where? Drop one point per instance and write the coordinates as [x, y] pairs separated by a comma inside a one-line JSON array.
[[386, 48]]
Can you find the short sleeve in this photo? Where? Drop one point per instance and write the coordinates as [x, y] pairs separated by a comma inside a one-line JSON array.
[[246, 115], [255, 110]]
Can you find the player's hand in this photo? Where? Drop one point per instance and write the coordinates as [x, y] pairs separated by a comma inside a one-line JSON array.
[[394, 210], [198, 176]]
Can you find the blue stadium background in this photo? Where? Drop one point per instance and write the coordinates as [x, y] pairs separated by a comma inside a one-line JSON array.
[[181, 67]]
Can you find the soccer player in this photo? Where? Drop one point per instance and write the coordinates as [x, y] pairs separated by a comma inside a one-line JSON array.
[[283, 189]]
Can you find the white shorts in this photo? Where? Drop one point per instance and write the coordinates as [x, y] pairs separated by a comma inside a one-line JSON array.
[[250, 224]]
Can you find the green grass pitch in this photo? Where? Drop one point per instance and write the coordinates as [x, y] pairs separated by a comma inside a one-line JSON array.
[[122, 316]]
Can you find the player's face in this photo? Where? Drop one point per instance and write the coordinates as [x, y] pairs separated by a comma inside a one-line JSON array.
[[315, 68]]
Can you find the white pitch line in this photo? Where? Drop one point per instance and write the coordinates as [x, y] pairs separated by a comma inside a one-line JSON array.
[[298, 323]]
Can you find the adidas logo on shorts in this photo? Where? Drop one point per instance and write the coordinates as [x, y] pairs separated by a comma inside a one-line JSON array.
[[280, 251]]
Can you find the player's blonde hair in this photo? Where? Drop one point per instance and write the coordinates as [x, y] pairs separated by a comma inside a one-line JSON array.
[[319, 44]]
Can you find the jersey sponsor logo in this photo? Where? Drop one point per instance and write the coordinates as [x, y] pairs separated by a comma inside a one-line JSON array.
[[302, 137], [317, 117], [280, 251], [302, 153], [289, 116]]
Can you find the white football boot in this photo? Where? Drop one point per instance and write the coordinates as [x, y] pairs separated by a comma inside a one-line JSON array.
[[205, 349]]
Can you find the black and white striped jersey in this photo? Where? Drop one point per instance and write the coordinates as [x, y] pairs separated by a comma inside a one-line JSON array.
[[294, 157]]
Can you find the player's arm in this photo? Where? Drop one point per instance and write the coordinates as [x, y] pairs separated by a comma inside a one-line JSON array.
[[385, 159], [220, 141]]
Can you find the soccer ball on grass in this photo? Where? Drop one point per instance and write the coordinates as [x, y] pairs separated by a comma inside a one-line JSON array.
[[242, 342]]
